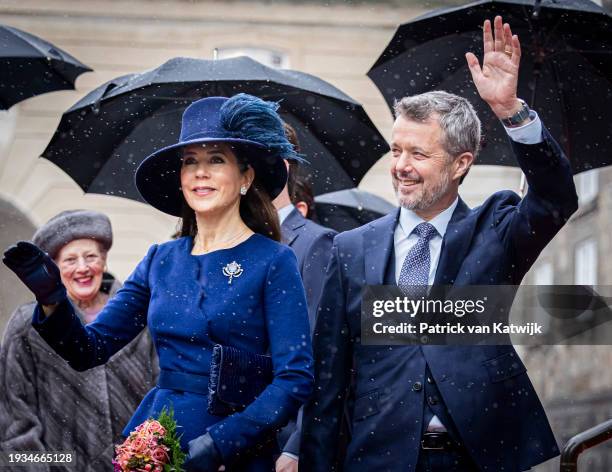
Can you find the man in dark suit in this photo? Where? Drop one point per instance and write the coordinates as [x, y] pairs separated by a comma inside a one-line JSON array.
[[439, 408], [312, 246]]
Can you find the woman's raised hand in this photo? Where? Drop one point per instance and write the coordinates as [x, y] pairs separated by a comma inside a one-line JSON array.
[[37, 271]]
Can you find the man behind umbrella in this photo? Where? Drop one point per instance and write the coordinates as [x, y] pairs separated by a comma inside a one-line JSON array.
[[440, 408], [311, 242], [312, 245]]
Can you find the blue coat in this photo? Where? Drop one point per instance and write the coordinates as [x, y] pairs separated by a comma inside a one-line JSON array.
[[490, 400], [189, 305]]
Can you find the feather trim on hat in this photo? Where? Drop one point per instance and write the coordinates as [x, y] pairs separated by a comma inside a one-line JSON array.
[[249, 117]]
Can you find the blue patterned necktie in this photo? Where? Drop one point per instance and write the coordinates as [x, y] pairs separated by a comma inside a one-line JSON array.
[[415, 269]]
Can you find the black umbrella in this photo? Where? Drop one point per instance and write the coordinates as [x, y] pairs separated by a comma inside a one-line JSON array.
[[347, 209], [101, 140], [566, 70], [31, 66]]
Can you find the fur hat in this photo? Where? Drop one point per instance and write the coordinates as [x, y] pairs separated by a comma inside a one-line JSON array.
[[70, 225], [250, 125]]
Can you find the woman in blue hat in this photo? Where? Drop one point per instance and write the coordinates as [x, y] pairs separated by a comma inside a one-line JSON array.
[[226, 281]]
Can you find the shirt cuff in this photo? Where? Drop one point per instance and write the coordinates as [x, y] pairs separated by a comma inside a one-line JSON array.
[[288, 454], [529, 133]]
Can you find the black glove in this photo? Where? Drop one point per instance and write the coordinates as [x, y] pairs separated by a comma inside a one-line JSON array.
[[203, 455], [37, 271]]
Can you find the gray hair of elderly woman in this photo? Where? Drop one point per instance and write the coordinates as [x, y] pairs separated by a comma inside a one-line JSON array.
[[455, 115]]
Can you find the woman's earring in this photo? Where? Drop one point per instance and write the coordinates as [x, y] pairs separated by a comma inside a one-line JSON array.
[[243, 190]]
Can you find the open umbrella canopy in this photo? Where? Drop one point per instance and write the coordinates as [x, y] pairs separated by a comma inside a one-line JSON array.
[[31, 66], [566, 70], [347, 209], [101, 140]]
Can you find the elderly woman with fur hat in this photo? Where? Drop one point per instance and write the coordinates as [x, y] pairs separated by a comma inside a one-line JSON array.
[[44, 404], [226, 283]]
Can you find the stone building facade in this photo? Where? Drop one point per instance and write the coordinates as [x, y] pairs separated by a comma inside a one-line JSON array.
[[575, 382]]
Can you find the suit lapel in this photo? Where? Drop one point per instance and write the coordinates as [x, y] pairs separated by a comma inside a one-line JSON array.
[[455, 244], [378, 247], [290, 226]]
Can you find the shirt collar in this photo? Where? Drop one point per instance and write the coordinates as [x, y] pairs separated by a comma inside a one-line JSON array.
[[409, 220], [284, 212]]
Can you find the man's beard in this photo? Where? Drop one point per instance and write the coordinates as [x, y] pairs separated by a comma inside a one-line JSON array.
[[427, 197]]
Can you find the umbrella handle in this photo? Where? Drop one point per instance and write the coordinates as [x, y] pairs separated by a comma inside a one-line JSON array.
[[536, 9]]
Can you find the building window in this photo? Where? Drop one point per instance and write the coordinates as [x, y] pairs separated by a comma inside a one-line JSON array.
[[585, 262], [543, 274], [267, 57], [587, 186]]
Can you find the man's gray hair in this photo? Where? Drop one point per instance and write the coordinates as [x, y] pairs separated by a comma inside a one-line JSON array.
[[456, 115]]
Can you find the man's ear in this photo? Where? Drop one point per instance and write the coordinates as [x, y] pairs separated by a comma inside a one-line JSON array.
[[462, 164], [302, 207]]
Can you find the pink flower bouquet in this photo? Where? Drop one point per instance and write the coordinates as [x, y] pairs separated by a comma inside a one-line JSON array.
[[151, 447]]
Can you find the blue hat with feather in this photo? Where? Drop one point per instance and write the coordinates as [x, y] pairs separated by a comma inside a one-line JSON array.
[[250, 125]]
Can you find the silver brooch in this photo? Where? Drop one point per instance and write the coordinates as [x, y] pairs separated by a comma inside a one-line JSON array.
[[231, 270]]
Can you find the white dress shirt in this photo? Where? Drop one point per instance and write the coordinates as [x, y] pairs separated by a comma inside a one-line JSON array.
[[404, 238], [284, 212], [529, 133]]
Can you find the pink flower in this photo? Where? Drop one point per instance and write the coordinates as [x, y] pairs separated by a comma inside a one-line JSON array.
[[138, 445], [156, 428], [160, 454], [150, 428]]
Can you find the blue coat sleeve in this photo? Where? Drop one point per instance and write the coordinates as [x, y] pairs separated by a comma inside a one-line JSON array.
[[121, 320], [290, 347], [551, 199]]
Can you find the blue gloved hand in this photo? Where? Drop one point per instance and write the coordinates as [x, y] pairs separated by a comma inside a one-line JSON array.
[[37, 271], [203, 455]]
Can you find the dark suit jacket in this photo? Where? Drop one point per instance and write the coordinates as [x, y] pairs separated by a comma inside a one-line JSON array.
[[498, 416], [312, 245]]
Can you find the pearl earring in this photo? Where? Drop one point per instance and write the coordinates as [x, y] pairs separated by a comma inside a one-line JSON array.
[[243, 190]]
